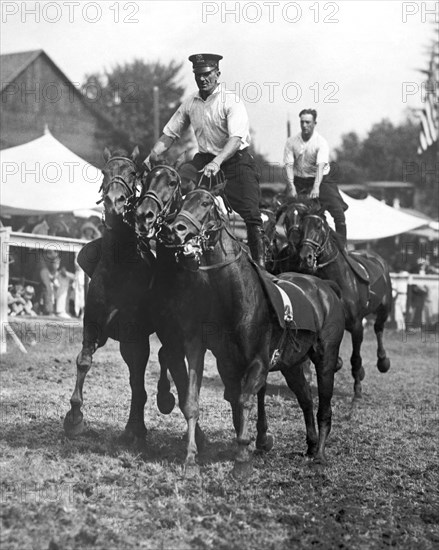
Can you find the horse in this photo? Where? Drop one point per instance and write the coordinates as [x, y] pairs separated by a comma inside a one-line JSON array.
[[220, 298], [121, 304], [362, 276]]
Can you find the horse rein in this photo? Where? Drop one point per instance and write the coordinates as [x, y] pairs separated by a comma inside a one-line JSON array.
[[204, 230]]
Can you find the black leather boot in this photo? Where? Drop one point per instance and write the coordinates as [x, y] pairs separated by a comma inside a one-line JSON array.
[[340, 229], [255, 241]]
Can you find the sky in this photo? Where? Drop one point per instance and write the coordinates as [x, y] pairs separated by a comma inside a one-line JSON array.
[[355, 62]]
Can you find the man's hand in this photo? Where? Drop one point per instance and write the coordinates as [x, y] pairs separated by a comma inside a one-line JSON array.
[[314, 193], [290, 192], [151, 160], [211, 169]]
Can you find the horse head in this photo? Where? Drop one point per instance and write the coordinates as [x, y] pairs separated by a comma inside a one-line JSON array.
[[196, 227], [158, 202], [314, 239], [121, 176]]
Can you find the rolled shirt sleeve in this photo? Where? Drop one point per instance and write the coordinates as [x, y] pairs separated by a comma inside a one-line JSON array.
[[288, 152], [237, 117], [178, 123], [323, 152]]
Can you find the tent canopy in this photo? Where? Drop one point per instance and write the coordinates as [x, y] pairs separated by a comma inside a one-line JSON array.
[[369, 219], [43, 176]]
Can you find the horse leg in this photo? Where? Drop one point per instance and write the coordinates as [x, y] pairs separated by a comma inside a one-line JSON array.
[[325, 366], [264, 440], [74, 419], [195, 355], [254, 380], [171, 357], [165, 399], [382, 313], [356, 361], [297, 382], [136, 355]]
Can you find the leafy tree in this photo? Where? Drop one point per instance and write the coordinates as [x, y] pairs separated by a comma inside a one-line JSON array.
[[125, 95]]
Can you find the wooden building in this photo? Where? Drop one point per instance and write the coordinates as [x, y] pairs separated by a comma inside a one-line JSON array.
[[35, 93]]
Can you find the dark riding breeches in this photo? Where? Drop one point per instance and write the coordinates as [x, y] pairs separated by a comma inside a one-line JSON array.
[[329, 196], [242, 189]]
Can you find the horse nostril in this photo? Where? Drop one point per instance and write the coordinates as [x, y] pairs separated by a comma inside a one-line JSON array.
[[180, 227], [149, 215]]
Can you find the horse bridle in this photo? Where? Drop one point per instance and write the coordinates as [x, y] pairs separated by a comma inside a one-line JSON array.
[[205, 231], [117, 179], [317, 248], [164, 208]]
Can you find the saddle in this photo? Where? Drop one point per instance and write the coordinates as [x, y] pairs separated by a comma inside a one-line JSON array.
[[354, 261], [276, 289]]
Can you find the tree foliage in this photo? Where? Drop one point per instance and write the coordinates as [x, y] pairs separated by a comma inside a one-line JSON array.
[[125, 95]]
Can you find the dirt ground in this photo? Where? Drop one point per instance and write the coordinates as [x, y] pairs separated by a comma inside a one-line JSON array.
[[380, 489]]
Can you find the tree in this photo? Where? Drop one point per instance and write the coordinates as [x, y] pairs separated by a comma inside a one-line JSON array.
[[125, 95]]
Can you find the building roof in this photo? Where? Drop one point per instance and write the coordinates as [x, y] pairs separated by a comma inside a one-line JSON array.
[[13, 64]]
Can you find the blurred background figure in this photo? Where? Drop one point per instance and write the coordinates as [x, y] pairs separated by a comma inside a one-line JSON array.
[[48, 276], [65, 280], [41, 228], [89, 231]]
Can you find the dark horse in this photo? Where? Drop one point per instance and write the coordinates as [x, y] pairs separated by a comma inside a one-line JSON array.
[[362, 276], [121, 304], [220, 299]]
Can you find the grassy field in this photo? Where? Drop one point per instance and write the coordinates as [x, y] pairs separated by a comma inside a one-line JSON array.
[[380, 489]]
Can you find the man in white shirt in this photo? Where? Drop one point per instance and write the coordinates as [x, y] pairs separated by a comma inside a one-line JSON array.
[[221, 126], [306, 159]]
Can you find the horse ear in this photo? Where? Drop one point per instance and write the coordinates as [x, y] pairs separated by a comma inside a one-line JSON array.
[[181, 159], [107, 154], [218, 188], [135, 153]]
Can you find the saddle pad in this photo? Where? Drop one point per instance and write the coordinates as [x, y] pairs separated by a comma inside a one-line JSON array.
[[357, 267], [303, 314], [89, 256]]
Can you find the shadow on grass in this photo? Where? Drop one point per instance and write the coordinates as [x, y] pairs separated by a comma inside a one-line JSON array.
[[160, 445]]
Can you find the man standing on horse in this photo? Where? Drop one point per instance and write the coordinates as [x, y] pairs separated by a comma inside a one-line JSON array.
[[306, 159], [221, 126]]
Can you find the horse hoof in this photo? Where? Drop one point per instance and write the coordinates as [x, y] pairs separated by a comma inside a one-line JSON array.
[[319, 461], [383, 364], [242, 470], [339, 364], [165, 403], [133, 437], [73, 428], [191, 470], [266, 445]]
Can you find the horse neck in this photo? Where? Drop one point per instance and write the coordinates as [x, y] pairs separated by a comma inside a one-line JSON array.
[[226, 248]]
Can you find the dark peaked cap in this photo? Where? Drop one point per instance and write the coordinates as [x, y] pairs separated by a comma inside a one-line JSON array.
[[204, 62]]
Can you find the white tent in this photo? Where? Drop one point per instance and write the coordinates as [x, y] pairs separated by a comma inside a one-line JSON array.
[[44, 176], [370, 219]]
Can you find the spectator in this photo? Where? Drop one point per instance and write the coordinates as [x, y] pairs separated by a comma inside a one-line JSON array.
[[48, 275], [65, 279], [41, 228], [89, 231], [16, 302]]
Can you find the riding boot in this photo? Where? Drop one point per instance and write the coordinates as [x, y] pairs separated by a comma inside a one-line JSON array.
[[255, 241], [340, 229]]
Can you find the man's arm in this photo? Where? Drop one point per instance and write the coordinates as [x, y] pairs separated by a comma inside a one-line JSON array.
[[314, 193], [290, 189], [160, 147], [230, 148]]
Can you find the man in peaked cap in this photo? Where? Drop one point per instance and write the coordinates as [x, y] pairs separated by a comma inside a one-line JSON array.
[[220, 122]]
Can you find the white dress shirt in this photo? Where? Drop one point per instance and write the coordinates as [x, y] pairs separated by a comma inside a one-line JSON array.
[[220, 116], [306, 155]]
